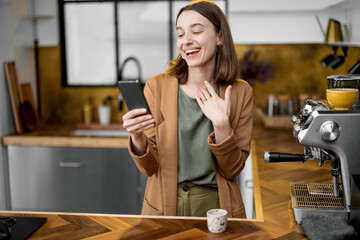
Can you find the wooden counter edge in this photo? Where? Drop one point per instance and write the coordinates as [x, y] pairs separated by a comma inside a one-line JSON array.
[[121, 142], [65, 141], [3, 212], [256, 184]]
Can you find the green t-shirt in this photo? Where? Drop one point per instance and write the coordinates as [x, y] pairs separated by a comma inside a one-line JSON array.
[[195, 157]]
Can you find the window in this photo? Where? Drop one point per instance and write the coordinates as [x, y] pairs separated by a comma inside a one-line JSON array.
[[97, 36]]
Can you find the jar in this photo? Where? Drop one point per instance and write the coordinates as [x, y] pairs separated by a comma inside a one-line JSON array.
[[283, 103], [87, 112], [273, 105]]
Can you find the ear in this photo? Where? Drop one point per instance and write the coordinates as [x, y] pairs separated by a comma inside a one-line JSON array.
[[219, 40]]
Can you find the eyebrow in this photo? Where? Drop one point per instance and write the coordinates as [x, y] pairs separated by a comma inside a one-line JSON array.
[[191, 26]]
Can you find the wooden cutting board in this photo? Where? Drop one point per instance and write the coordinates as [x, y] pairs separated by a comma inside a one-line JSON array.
[[15, 93], [29, 96], [28, 116]]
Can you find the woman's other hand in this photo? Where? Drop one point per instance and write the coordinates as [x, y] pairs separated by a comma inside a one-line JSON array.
[[135, 122], [217, 110]]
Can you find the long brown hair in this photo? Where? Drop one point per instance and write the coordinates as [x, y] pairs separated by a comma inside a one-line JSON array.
[[226, 66]]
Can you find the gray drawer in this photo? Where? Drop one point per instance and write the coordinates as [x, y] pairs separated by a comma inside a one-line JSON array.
[[98, 180]]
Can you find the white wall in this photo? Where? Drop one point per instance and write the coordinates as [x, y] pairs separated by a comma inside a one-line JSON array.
[[16, 44], [353, 18], [6, 120], [280, 27], [22, 32], [46, 25]]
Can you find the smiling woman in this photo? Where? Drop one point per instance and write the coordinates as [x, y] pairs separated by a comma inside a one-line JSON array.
[[196, 140], [193, 27]]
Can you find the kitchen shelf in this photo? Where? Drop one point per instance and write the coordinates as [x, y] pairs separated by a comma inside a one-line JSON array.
[[345, 44], [43, 17], [278, 121], [348, 44]]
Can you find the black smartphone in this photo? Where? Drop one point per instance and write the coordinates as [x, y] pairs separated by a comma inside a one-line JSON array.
[[133, 94]]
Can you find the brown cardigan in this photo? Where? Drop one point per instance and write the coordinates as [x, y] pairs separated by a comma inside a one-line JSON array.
[[160, 162]]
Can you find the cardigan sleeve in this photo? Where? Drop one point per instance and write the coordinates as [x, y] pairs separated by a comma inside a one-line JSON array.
[[148, 163], [231, 154]]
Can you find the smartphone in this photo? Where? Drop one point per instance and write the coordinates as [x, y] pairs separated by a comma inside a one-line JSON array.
[[133, 94]]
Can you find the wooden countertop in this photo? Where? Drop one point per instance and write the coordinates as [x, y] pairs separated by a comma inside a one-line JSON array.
[[97, 226], [271, 191], [60, 136]]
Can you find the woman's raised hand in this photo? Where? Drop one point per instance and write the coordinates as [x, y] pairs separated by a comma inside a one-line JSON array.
[[214, 108], [217, 110]]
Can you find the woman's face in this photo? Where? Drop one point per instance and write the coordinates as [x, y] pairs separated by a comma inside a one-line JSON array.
[[197, 39]]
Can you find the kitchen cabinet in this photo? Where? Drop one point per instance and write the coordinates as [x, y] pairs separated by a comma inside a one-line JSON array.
[[66, 179], [291, 22]]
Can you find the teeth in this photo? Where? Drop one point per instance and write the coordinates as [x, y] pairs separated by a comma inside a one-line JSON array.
[[192, 50]]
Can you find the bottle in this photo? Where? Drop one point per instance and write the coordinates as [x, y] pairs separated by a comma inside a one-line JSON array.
[[290, 104], [272, 103], [87, 112]]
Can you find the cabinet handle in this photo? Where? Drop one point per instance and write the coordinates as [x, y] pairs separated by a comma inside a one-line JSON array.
[[70, 164], [249, 184]]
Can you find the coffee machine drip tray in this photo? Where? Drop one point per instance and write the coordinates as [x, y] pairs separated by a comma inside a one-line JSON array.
[[322, 189], [310, 199]]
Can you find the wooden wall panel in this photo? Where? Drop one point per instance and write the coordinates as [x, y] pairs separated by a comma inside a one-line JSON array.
[[64, 105], [297, 66], [297, 69]]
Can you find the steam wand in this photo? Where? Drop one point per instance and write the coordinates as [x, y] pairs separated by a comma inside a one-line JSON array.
[[284, 157]]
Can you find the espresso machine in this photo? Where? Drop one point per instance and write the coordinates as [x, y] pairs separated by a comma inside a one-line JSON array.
[[327, 135]]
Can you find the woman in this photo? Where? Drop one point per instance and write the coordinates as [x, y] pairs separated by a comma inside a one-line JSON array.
[[198, 137]]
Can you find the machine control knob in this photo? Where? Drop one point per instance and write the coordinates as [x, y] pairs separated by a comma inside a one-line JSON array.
[[330, 131], [295, 119], [306, 111], [296, 130], [312, 102]]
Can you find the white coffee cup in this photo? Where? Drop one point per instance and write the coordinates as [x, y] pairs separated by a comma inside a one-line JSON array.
[[104, 114], [217, 220]]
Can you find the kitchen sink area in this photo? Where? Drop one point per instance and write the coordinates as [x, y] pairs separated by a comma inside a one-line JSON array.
[[100, 132]]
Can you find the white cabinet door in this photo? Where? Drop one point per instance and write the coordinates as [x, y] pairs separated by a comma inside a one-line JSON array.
[[245, 180]]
